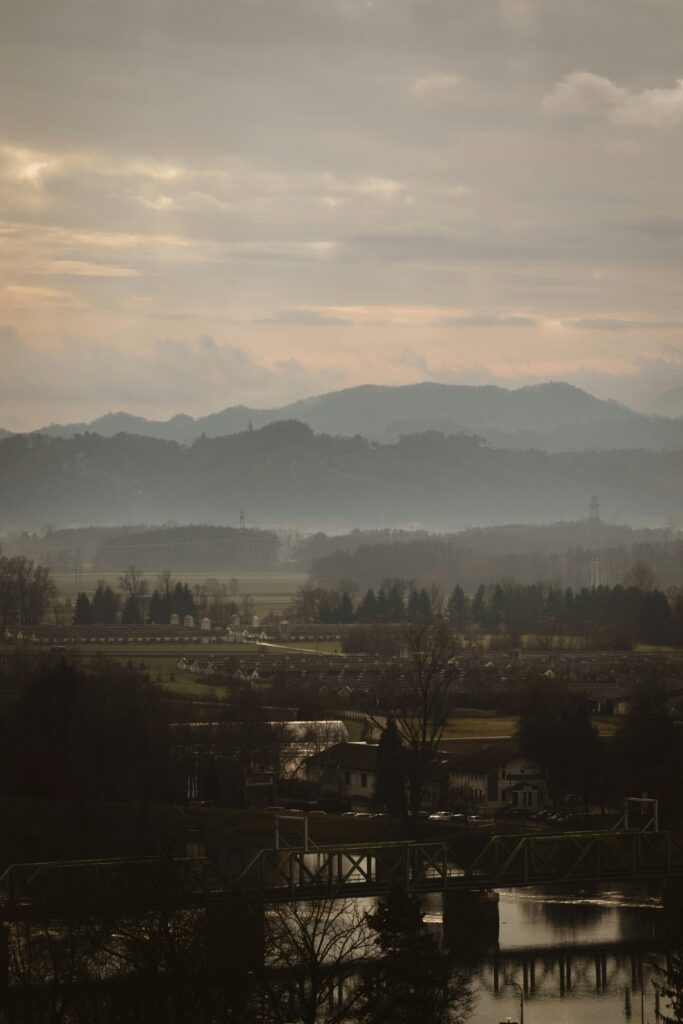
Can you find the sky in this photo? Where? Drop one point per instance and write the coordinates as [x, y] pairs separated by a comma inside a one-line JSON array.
[[217, 202]]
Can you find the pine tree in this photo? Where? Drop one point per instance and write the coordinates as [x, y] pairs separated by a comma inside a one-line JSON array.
[[391, 791], [132, 615], [458, 608], [156, 608], [479, 607], [412, 982], [367, 609], [104, 605], [82, 611], [345, 609]]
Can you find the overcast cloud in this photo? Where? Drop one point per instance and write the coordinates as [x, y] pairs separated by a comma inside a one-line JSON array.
[[251, 201]]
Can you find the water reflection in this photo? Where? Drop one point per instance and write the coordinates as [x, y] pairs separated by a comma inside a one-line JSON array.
[[579, 959]]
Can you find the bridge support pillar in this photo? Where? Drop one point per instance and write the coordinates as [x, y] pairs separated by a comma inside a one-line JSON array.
[[673, 903], [4, 964], [235, 941], [470, 920]]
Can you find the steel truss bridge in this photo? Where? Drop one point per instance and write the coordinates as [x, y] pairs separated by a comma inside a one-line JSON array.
[[35, 891]]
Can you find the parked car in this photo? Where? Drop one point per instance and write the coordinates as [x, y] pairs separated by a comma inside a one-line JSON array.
[[446, 816]]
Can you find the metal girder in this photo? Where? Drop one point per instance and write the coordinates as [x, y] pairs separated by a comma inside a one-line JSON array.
[[577, 856], [340, 871], [346, 870]]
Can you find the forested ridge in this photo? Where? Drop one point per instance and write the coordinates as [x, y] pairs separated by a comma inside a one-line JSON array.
[[284, 474]]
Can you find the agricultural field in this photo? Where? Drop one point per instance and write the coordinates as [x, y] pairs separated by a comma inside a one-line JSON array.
[[271, 592], [498, 727]]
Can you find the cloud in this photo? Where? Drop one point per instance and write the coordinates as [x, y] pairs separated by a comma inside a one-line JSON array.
[[487, 320], [82, 379], [83, 268], [437, 85], [617, 324], [303, 317], [583, 92]]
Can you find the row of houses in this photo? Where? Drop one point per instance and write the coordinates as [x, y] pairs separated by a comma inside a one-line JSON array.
[[493, 777]]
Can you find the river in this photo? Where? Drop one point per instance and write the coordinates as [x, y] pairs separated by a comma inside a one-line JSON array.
[[579, 960]]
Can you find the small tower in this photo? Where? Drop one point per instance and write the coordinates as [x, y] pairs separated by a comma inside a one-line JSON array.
[[594, 509], [242, 519]]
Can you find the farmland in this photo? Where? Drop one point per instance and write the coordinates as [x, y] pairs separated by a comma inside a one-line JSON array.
[[271, 592]]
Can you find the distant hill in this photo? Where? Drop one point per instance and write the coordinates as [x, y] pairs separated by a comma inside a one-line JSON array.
[[670, 403], [286, 475], [552, 417]]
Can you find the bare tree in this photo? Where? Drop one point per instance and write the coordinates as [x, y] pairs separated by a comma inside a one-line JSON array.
[[133, 583], [422, 701], [26, 591], [248, 609], [314, 950], [165, 582]]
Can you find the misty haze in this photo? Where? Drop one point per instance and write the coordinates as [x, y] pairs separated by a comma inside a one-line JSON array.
[[341, 512]]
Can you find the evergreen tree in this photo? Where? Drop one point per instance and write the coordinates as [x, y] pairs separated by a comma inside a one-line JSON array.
[[104, 605], [82, 611], [412, 606], [647, 749], [382, 606], [479, 607], [496, 615], [325, 610], [156, 608], [457, 609], [556, 731], [345, 609], [395, 608], [412, 982], [367, 609], [391, 791], [424, 606], [132, 614]]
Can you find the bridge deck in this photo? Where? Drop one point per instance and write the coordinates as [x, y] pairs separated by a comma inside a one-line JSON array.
[[337, 872]]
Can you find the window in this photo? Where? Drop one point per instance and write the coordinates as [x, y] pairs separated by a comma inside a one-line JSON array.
[[363, 780]]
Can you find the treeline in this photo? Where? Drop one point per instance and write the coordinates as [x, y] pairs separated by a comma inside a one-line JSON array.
[[104, 732], [620, 615], [645, 756], [190, 547], [579, 557], [134, 602], [107, 607]]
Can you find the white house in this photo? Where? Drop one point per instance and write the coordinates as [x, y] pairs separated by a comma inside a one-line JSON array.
[[348, 770], [498, 776]]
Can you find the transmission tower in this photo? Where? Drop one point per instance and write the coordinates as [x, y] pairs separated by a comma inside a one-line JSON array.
[[242, 520], [594, 508]]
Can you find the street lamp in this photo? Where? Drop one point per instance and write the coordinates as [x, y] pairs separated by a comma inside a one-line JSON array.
[[521, 1001]]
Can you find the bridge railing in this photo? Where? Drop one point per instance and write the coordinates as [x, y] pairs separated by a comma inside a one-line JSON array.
[[115, 883], [338, 871], [577, 856], [345, 868]]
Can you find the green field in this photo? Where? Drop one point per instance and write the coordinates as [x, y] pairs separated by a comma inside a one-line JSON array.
[[503, 727], [270, 591]]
